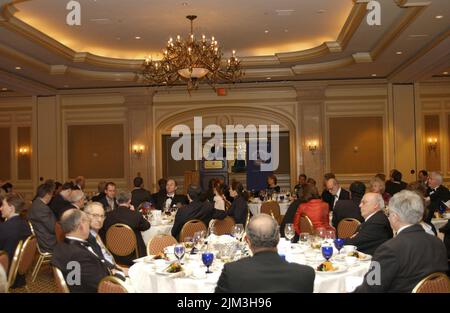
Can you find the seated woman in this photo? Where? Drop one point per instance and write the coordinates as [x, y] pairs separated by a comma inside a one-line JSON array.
[[239, 207], [272, 184], [377, 185], [219, 199], [314, 208]]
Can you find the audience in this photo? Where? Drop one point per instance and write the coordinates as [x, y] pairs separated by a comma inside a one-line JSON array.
[[239, 207], [272, 186], [219, 199], [42, 218], [349, 208], [377, 185], [326, 195], [170, 199], [80, 183], [161, 192], [314, 208], [375, 229], [139, 194], [395, 184], [311, 181], [437, 194], [421, 190], [301, 182], [76, 199], [423, 178], [336, 191], [265, 271], [61, 200], [411, 255], [101, 191], [125, 214], [109, 200]]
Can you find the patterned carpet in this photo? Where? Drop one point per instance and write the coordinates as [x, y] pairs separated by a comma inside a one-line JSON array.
[[44, 282]]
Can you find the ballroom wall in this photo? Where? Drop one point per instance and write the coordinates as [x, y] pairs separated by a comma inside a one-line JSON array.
[[361, 129]]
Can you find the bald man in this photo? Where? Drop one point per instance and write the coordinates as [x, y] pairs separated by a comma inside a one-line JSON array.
[[375, 229], [336, 191], [266, 271]]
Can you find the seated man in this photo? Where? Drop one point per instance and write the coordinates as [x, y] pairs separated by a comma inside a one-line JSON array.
[[109, 200], [197, 208], [80, 265], [375, 230], [411, 255], [170, 199], [125, 215], [437, 194], [349, 208], [76, 201], [42, 218], [139, 194], [266, 271], [61, 200]]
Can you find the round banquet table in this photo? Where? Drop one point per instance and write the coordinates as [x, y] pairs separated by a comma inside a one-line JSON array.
[[438, 223], [147, 278], [255, 208], [154, 230]]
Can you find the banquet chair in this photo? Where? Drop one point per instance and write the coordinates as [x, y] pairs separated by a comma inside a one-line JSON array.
[[4, 260], [111, 284], [26, 256], [347, 227], [44, 257], [190, 228], [224, 226], [433, 283], [60, 282], [305, 225], [121, 240], [272, 208], [14, 266], [159, 242], [60, 235]]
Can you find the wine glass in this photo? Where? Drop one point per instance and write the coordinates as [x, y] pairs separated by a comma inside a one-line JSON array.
[[207, 258], [327, 251], [212, 229], [179, 251], [289, 231], [198, 241], [237, 231], [304, 238], [339, 243], [321, 232]]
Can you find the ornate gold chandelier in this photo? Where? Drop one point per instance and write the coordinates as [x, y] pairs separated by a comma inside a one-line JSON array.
[[192, 61]]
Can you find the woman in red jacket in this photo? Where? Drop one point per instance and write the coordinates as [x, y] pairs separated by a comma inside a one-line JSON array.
[[314, 208]]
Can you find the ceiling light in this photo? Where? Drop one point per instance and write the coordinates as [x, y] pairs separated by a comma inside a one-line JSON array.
[[191, 61], [266, 31], [268, 78], [445, 73], [137, 37], [18, 68], [399, 52], [439, 17], [374, 75]]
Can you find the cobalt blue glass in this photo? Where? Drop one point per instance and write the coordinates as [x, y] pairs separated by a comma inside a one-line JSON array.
[[327, 252], [339, 243], [207, 258]]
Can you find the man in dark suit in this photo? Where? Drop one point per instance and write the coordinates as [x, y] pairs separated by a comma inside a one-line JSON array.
[[42, 218], [411, 255], [437, 194], [290, 215], [161, 192], [76, 199], [80, 183], [197, 208], [336, 191], [14, 229], [375, 230], [139, 194], [170, 198], [349, 208], [109, 200], [61, 200], [395, 184], [125, 214], [82, 267], [101, 191], [266, 271]]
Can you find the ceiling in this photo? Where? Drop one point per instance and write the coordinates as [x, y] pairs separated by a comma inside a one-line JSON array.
[[283, 40]]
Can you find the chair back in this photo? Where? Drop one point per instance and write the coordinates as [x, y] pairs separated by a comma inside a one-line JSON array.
[[111, 284], [347, 227], [305, 225], [158, 243], [14, 265], [224, 226], [121, 240], [60, 235], [434, 283], [60, 282], [4, 260], [27, 254], [190, 228], [272, 208]]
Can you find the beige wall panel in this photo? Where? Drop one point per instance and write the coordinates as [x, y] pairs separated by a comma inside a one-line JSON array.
[[5, 154], [47, 138]]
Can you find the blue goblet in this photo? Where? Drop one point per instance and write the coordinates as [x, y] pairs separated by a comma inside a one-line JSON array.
[[339, 243], [327, 252], [207, 258]]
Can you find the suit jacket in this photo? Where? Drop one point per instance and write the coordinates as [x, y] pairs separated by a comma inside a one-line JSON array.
[[136, 221], [57, 204], [372, 233], [265, 272], [446, 230], [441, 194], [289, 217], [239, 210], [11, 232], [106, 205], [97, 198], [393, 187], [346, 209], [162, 197], [329, 198], [43, 220], [140, 195], [92, 266], [405, 260]]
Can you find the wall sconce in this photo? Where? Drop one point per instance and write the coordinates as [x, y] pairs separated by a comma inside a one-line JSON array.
[[23, 150], [312, 145], [432, 143], [138, 150]]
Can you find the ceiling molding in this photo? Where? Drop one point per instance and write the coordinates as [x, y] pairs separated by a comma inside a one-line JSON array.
[[23, 85]]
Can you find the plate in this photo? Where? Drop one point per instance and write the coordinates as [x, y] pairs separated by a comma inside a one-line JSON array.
[[339, 269], [163, 272], [366, 257]]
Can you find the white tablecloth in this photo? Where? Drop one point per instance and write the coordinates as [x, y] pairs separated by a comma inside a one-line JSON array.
[[156, 230], [438, 223], [255, 208]]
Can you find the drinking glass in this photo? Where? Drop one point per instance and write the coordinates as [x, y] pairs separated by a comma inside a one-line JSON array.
[[330, 234], [289, 231], [179, 251], [198, 240], [304, 238], [237, 231], [321, 232], [207, 258], [327, 251], [339, 243]]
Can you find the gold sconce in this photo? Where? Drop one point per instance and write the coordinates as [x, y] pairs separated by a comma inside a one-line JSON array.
[[312, 145], [432, 143], [23, 150], [138, 150]]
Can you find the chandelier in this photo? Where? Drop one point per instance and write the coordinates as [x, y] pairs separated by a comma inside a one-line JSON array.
[[192, 61]]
